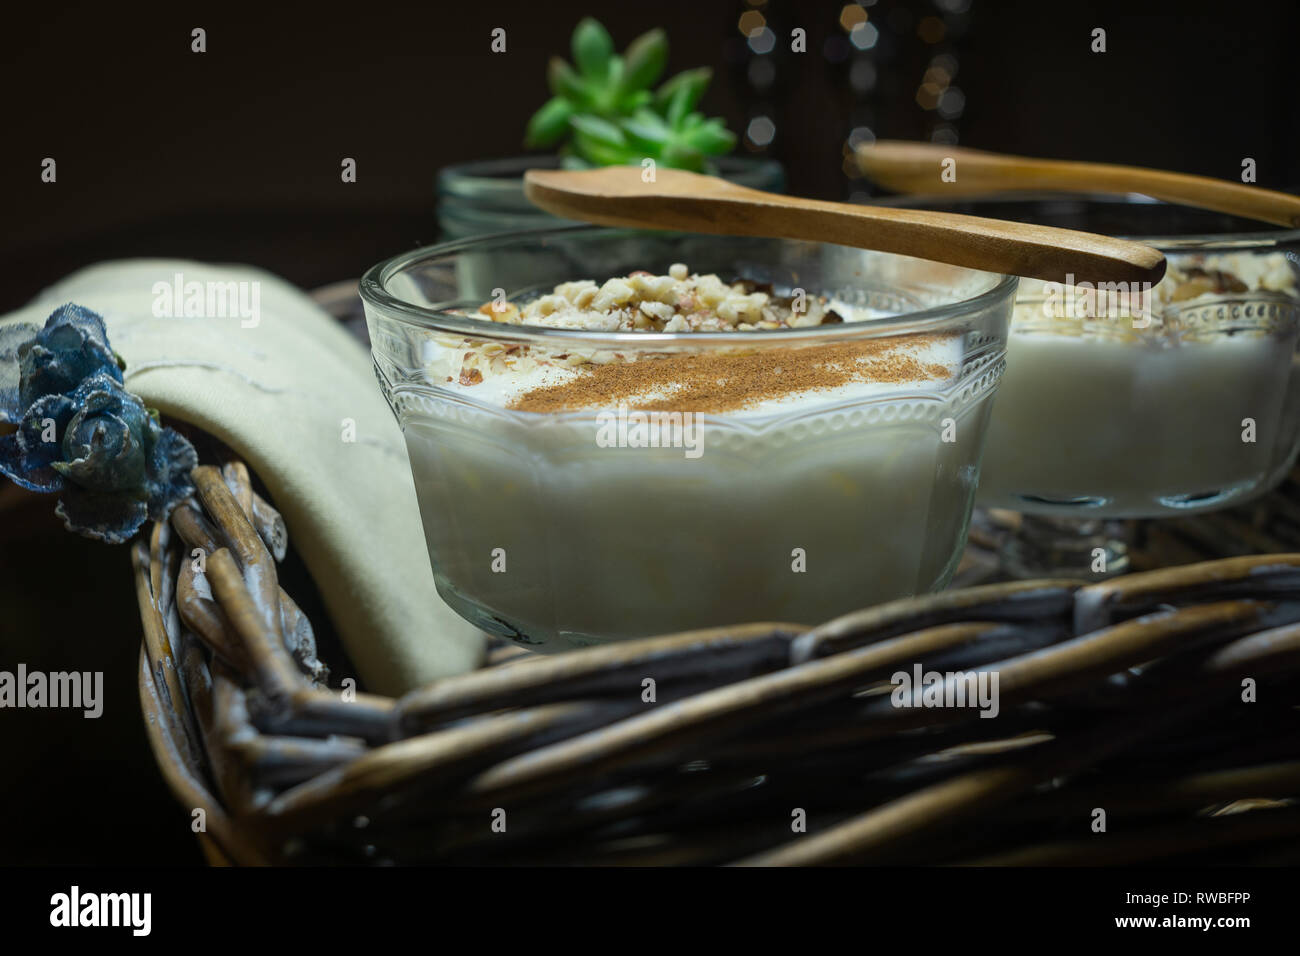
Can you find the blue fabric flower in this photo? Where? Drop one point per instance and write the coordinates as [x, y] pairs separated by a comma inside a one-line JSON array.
[[81, 433], [28, 455], [71, 347]]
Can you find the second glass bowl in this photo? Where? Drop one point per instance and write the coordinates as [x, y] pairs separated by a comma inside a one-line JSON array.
[[1108, 411]]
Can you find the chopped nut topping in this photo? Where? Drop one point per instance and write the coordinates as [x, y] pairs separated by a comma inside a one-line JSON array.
[[677, 302], [1189, 277]]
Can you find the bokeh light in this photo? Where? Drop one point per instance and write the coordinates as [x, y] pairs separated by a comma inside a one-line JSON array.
[[762, 40], [760, 132], [861, 136], [851, 16], [750, 21], [945, 134], [952, 103], [947, 63], [862, 75], [864, 36]]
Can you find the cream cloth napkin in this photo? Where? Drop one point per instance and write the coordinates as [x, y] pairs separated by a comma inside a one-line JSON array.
[[280, 385]]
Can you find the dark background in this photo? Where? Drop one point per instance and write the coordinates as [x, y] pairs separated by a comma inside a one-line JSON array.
[[234, 155]]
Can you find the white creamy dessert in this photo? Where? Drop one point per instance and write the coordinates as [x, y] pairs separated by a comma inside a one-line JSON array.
[[1136, 408], [600, 494]]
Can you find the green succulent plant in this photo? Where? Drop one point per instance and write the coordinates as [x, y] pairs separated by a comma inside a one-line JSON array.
[[604, 112]]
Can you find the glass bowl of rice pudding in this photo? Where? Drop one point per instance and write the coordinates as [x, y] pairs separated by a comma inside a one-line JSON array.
[[615, 434], [1124, 403]]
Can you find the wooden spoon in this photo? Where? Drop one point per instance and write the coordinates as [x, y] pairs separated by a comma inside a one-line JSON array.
[[916, 168], [618, 196]]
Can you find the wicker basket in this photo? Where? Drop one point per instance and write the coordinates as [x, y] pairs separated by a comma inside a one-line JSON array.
[[764, 743]]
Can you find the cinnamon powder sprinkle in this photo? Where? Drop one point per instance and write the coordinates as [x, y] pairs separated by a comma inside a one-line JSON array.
[[716, 381]]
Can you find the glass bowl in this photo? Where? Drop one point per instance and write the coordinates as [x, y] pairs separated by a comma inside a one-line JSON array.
[[770, 496], [1108, 411]]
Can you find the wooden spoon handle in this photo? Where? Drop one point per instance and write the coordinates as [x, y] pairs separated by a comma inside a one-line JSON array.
[[701, 204], [920, 167]]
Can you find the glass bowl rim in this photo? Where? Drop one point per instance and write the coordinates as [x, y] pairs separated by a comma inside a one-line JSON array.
[[434, 319]]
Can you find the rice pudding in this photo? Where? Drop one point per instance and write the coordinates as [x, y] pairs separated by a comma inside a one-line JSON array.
[[1137, 407], [586, 495]]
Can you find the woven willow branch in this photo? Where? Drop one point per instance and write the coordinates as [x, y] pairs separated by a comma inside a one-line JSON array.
[[1123, 695]]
